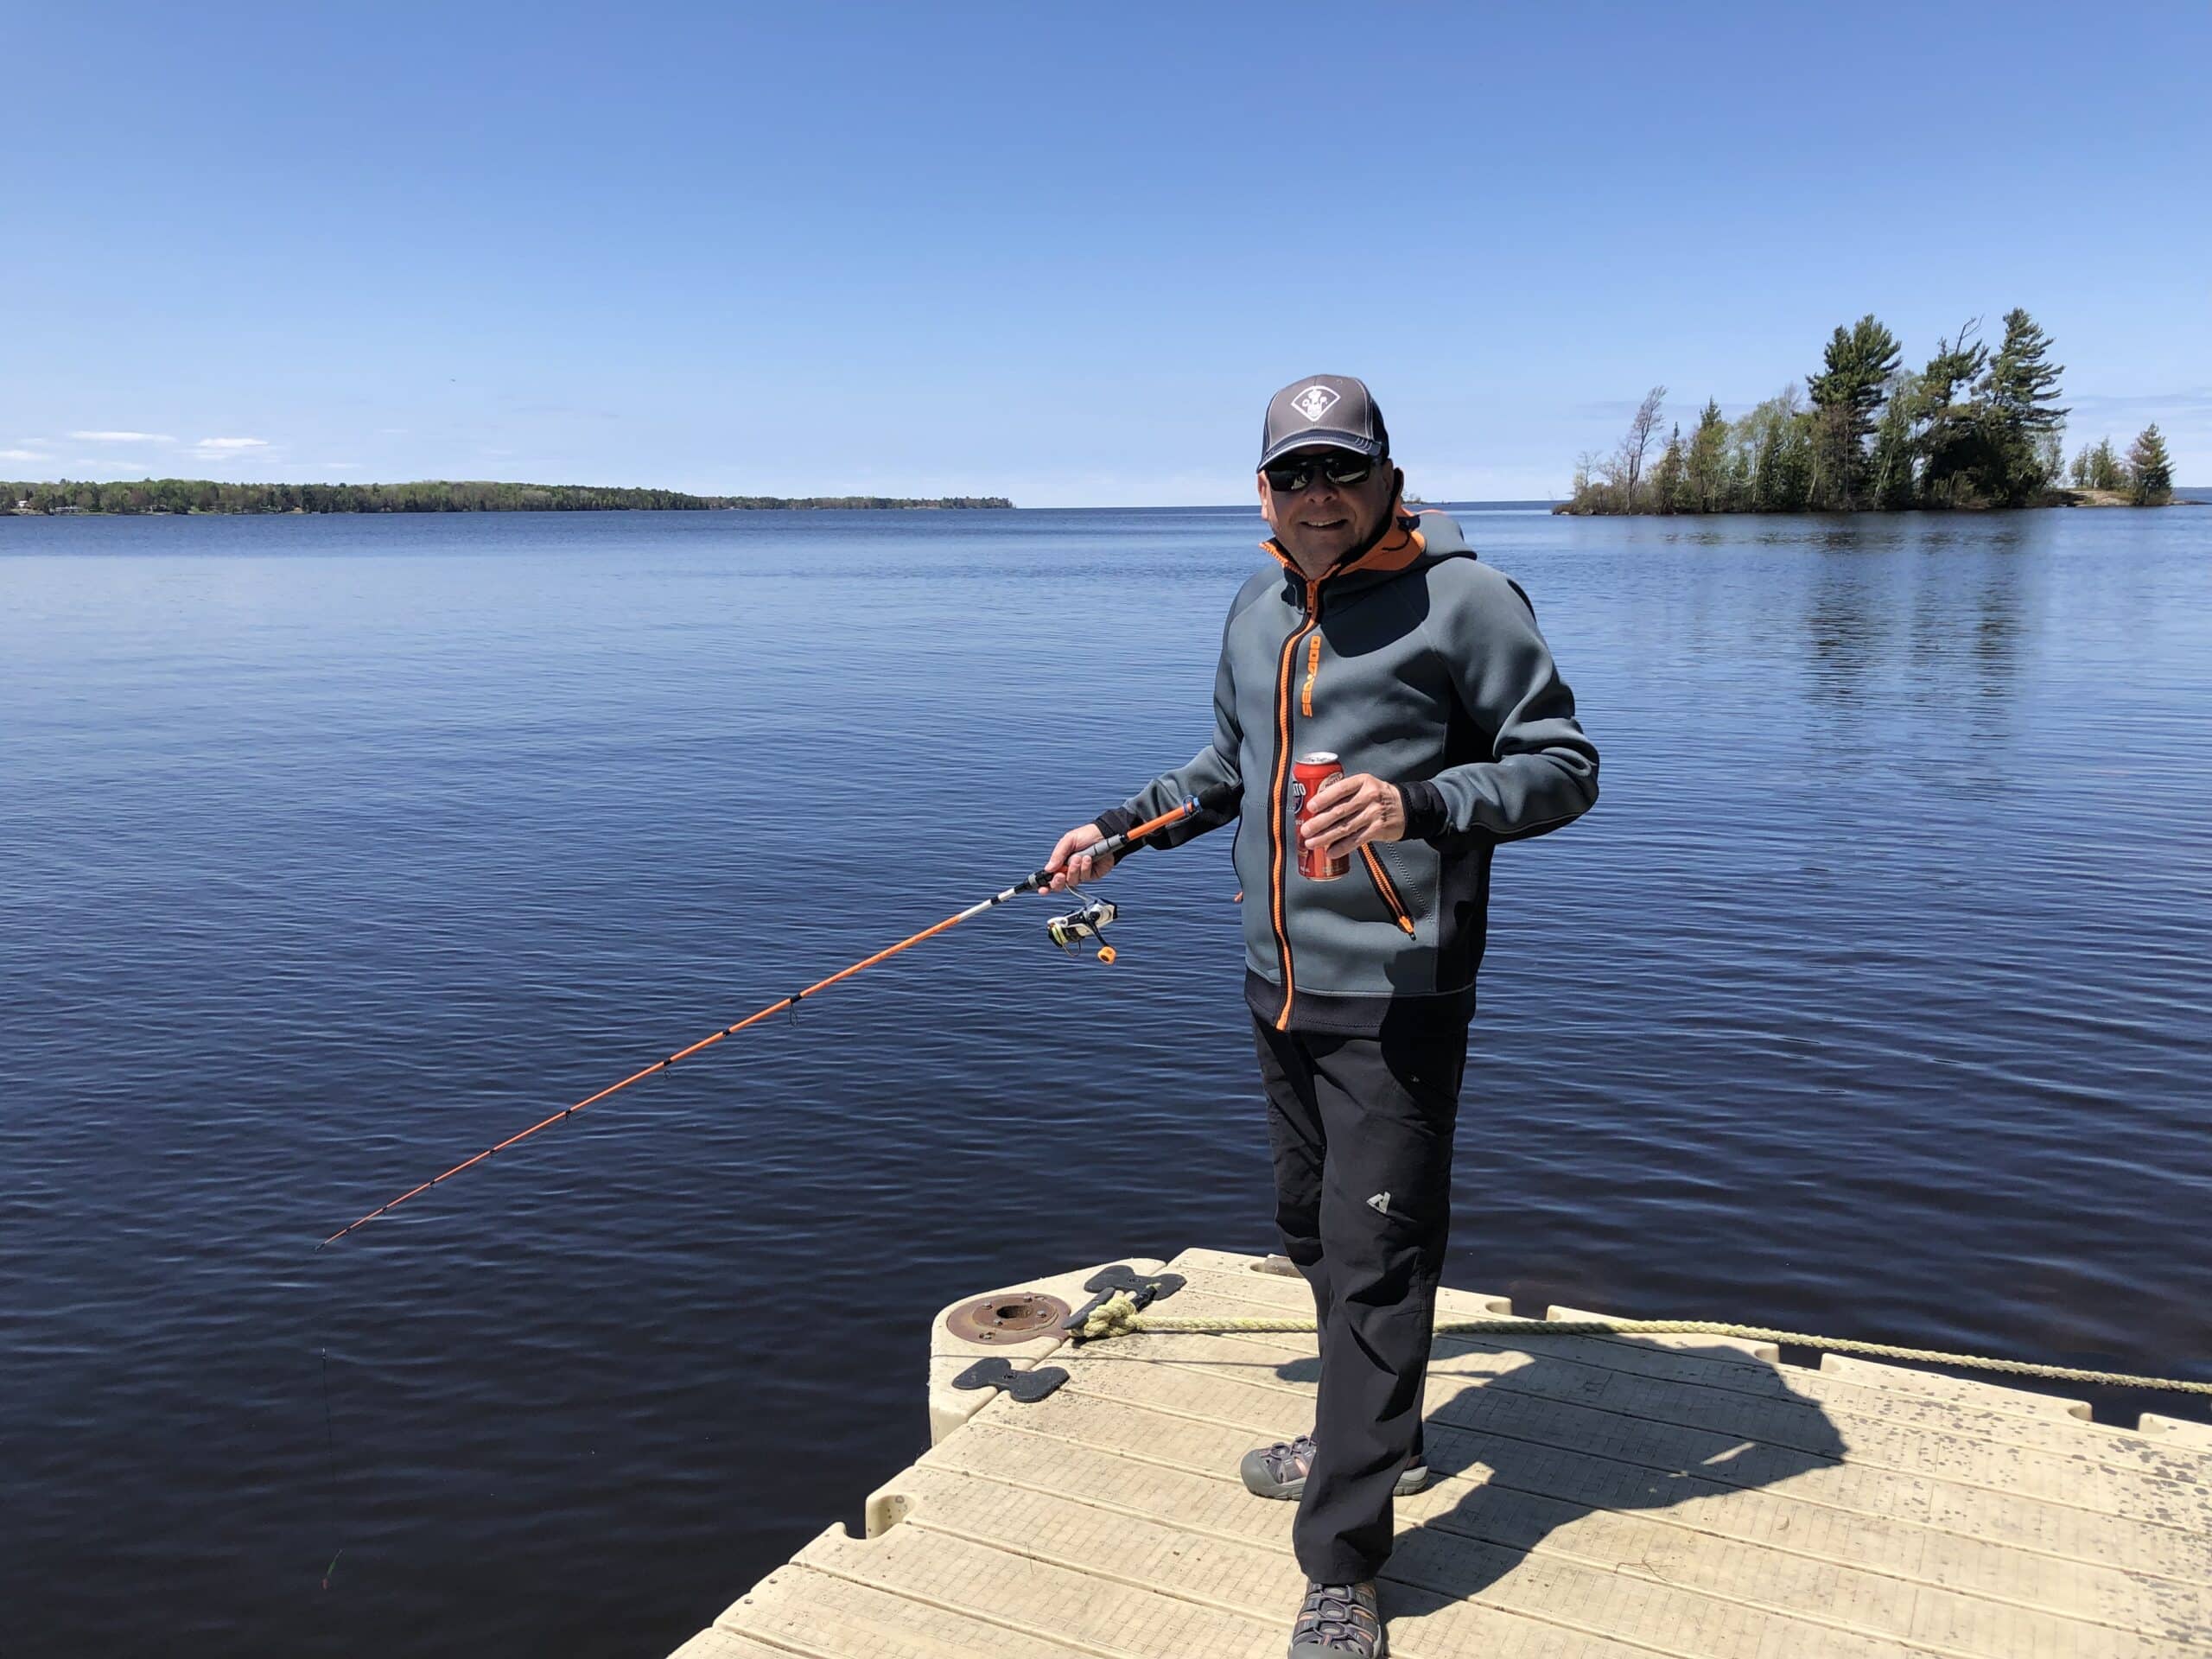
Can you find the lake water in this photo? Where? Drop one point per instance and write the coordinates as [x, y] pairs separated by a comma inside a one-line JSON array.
[[1872, 998]]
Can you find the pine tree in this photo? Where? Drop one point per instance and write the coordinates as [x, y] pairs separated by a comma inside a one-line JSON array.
[[1948, 433], [1667, 477], [2019, 411], [1890, 470], [1777, 440], [2106, 472], [1705, 474], [2151, 474], [1846, 395]]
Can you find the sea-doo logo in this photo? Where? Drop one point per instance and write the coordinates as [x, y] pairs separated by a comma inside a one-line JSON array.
[[1315, 402]]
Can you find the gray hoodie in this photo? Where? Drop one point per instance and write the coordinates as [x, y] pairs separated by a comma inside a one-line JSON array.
[[1420, 665]]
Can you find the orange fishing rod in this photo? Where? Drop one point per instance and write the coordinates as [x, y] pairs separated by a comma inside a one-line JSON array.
[[1035, 881]]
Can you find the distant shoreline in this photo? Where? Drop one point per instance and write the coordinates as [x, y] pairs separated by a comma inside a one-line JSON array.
[[198, 497], [2068, 497]]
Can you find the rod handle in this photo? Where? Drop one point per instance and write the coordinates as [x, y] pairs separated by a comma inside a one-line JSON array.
[[1114, 846]]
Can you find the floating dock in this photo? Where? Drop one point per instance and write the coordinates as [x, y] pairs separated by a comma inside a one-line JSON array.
[[1598, 1497]]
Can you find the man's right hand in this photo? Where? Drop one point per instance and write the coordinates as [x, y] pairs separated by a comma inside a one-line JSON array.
[[1071, 862]]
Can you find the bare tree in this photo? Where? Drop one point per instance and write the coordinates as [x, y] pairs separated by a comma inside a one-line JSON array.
[[1609, 474], [1641, 432]]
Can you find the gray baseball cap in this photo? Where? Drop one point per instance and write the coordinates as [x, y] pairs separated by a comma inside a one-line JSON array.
[[1331, 409]]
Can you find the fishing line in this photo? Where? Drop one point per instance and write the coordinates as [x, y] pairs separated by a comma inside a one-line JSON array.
[[1035, 881], [1080, 926]]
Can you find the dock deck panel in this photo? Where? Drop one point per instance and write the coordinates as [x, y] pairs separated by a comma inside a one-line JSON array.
[[1597, 1498]]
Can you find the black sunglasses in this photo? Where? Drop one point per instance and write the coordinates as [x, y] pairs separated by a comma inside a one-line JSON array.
[[1341, 467]]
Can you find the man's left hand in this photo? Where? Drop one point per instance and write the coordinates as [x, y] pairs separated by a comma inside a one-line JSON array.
[[1350, 811]]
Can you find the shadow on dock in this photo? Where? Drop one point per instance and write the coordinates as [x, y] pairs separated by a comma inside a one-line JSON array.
[[1551, 1441]]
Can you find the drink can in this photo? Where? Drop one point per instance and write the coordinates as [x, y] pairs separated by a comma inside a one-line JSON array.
[[1307, 777]]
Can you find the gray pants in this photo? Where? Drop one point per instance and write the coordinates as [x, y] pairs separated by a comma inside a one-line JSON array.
[[1361, 1130]]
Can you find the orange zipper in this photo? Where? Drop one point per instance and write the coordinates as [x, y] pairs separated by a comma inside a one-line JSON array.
[[1312, 669], [1281, 782], [1389, 894]]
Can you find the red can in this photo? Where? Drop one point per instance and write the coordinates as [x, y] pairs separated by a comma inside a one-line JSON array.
[[1306, 778]]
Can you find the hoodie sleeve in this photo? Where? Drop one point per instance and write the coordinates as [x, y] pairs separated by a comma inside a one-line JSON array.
[[1540, 771]]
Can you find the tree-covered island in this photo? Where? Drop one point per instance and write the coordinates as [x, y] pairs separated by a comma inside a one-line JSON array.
[[436, 495], [1973, 428]]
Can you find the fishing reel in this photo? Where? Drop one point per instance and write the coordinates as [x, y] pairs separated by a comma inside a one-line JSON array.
[[1084, 923]]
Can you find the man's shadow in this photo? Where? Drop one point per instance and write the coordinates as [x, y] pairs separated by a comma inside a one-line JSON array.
[[1548, 1439]]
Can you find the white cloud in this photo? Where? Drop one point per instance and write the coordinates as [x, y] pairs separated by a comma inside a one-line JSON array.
[[122, 437], [21, 454], [229, 446]]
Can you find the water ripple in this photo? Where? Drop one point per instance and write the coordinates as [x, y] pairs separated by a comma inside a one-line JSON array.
[[1872, 998]]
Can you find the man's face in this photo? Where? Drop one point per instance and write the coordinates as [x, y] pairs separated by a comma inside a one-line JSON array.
[[1320, 523]]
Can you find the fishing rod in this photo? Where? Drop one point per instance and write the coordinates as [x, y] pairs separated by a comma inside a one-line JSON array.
[[1065, 932]]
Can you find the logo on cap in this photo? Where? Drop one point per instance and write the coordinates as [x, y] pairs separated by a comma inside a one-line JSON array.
[[1315, 402]]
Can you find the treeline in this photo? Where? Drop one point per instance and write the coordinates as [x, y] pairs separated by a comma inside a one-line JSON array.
[[2145, 475], [1972, 427], [437, 495]]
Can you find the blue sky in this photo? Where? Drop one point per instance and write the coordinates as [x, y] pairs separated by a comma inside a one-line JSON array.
[[1054, 252]]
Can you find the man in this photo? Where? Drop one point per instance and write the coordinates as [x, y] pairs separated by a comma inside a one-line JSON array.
[[1381, 639]]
